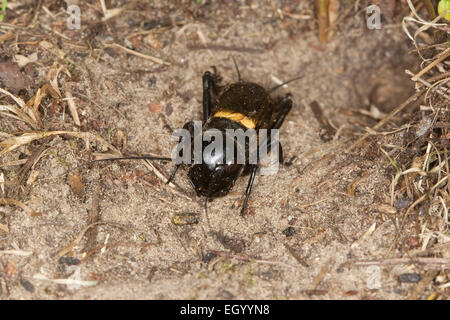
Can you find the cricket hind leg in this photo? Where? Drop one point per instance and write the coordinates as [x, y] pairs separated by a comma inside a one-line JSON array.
[[284, 105], [248, 191], [210, 88]]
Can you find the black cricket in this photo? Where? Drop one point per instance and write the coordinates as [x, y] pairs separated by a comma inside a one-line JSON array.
[[250, 101]]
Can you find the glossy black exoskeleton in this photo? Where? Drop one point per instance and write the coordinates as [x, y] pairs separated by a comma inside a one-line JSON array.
[[222, 105], [240, 105]]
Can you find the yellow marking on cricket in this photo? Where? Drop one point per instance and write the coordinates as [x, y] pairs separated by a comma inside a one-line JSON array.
[[247, 122]]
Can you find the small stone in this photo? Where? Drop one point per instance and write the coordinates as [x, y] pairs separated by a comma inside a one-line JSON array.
[[70, 261], [154, 107], [409, 277], [27, 285], [289, 231], [186, 218]]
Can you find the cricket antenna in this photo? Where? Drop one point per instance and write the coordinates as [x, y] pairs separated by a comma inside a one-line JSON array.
[[237, 69], [144, 157], [280, 85]]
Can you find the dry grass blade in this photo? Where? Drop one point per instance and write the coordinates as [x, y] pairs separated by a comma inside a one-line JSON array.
[[93, 217], [322, 9], [15, 142], [140, 55], [27, 112], [408, 211], [72, 244], [69, 281], [21, 253], [392, 114], [394, 261], [430, 86], [72, 107], [318, 279], [19, 101], [172, 187], [17, 203], [2, 183], [443, 56], [31, 161], [17, 113]]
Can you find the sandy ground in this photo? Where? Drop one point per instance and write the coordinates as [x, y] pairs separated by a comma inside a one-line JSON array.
[[329, 198]]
